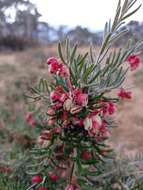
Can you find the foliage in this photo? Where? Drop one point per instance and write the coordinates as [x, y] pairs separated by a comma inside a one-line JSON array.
[[71, 150], [74, 119], [116, 174]]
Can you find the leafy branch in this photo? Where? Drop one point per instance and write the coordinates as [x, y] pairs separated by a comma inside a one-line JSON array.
[[111, 32]]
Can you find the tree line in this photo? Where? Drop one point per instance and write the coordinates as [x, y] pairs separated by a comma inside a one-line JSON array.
[[20, 28]]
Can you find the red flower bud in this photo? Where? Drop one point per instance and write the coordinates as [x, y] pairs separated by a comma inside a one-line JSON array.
[[53, 178], [30, 119], [86, 155], [42, 188], [54, 96], [123, 94], [70, 187], [52, 60], [37, 179], [53, 65], [134, 62]]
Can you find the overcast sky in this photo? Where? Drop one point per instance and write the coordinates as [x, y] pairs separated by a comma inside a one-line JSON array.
[[87, 13]]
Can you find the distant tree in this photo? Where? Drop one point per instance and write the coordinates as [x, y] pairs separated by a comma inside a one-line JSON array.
[[134, 32], [6, 4], [25, 20], [83, 36], [61, 32]]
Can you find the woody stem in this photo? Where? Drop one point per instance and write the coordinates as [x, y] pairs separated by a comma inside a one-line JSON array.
[[71, 173]]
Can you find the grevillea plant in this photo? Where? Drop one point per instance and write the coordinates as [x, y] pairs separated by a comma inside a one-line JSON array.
[[80, 97]]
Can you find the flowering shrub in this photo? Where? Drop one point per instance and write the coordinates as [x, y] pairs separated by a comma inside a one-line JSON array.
[[78, 121]]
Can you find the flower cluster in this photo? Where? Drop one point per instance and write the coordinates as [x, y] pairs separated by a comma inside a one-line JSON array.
[[56, 67], [134, 62], [75, 117], [67, 107], [39, 181], [30, 119]]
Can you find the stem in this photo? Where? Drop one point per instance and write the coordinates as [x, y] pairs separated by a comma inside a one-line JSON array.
[[72, 171], [32, 186]]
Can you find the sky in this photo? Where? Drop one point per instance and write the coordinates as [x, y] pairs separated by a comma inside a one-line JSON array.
[[88, 13]]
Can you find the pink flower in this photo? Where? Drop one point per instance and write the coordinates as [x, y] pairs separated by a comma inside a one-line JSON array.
[[54, 96], [92, 124], [104, 131], [65, 115], [63, 70], [51, 112], [77, 121], [124, 94], [29, 116], [57, 130], [86, 155], [53, 65], [109, 108], [68, 104], [37, 179], [57, 105], [52, 60], [30, 119], [42, 142], [45, 135], [51, 121], [53, 68], [70, 187], [57, 93], [63, 97], [80, 98], [134, 62]]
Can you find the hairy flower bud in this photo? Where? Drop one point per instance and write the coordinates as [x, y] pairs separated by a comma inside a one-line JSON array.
[[87, 123], [92, 124], [68, 104], [70, 187]]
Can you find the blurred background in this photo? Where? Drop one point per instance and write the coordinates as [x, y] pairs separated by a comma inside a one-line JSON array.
[[29, 32]]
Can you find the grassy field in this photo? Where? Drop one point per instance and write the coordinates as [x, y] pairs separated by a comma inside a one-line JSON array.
[[22, 69]]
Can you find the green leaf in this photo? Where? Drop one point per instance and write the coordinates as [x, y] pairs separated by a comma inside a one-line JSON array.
[[82, 61], [87, 72], [60, 53], [73, 54], [91, 54], [130, 14]]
